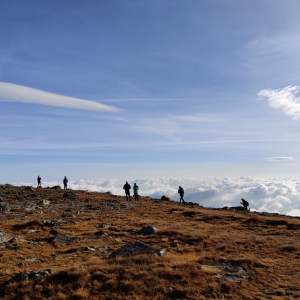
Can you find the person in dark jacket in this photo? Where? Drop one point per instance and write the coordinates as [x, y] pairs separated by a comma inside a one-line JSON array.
[[65, 182], [181, 193], [245, 203], [39, 181], [127, 188], [136, 192]]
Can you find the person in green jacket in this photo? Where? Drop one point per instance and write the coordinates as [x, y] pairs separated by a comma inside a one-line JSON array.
[[136, 192]]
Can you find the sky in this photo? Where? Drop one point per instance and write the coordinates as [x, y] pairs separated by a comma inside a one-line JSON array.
[[132, 90]]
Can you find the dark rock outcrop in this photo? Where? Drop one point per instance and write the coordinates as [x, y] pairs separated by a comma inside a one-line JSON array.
[[165, 198], [33, 275]]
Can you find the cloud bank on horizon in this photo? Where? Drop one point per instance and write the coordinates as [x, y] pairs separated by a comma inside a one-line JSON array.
[[284, 99], [26, 94], [269, 195]]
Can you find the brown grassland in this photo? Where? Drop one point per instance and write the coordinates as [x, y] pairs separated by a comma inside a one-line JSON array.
[[197, 239]]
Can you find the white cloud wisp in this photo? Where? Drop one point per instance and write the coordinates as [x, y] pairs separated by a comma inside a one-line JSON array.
[[279, 158], [284, 99], [30, 95]]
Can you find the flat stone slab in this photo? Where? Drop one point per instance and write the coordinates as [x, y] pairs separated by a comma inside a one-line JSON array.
[[137, 248], [226, 271]]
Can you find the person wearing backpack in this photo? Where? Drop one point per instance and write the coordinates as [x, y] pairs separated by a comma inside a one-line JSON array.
[[127, 188], [181, 193], [65, 182], [136, 192], [245, 203], [39, 181]]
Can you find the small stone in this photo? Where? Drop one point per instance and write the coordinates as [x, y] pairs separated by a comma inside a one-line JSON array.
[[104, 225], [31, 259], [90, 249], [45, 202]]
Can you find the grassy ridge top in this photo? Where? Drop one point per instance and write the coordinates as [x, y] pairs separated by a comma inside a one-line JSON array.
[[211, 254]]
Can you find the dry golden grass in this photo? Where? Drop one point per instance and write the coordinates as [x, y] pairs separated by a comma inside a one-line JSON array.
[[267, 248]]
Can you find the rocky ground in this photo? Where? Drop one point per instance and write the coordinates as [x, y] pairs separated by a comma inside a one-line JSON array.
[[88, 245]]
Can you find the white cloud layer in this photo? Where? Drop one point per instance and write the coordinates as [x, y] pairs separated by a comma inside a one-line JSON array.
[[269, 195], [30, 95], [284, 99]]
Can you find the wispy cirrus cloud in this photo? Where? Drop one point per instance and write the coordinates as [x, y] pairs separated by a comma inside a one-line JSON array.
[[279, 158], [284, 99], [30, 95]]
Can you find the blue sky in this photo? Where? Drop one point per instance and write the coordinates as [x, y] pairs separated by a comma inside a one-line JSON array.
[[190, 88]]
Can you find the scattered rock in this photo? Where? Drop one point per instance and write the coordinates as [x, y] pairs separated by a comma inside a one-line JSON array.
[[62, 238], [101, 234], [227, 271], [56, 187], [104, 225], [101, 248], [45, 202], [33, 275], [165, 198], [137, 248], [68, 215], [148, 230], [6, 239], [69, 195], [28, 188], [293, 226], [90, 249], [237, 208], [52, 223], [4, 207], [32, 259]]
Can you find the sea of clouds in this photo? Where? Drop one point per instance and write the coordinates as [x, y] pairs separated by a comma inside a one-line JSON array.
[[264, 195]]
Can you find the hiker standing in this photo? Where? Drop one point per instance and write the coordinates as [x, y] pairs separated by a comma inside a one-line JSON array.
[[181, 193], [245, 203], [65, 181], [127, 188], [39, 181], [136, 192]]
